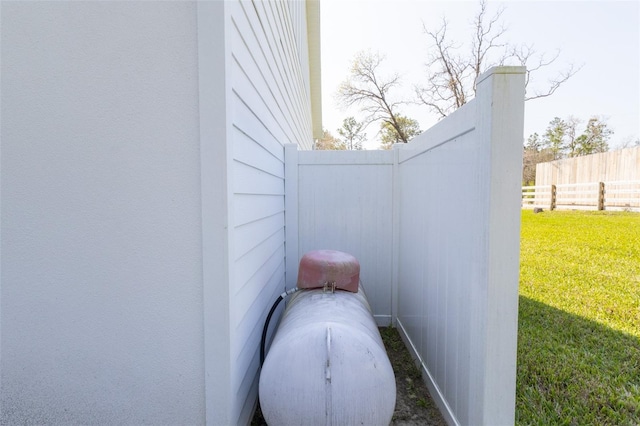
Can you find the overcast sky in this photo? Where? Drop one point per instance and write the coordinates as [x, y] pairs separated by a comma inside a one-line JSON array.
[[602, 36]]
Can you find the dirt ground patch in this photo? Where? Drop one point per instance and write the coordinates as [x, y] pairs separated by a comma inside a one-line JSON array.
[[414, 405]]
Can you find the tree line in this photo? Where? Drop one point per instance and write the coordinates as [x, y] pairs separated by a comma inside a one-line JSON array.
[[563, 138], [451, 72]]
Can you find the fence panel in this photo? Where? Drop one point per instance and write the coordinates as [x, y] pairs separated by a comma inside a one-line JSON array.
[[617, 195], [537, 196], [622, 195], [345, 203], [436, 228], [457, 197]]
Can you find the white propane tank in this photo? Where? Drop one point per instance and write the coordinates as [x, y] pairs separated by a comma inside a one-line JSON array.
[[327, 364]]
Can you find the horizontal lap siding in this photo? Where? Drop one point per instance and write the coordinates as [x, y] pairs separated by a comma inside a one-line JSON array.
[[269, 108], [297, 11]]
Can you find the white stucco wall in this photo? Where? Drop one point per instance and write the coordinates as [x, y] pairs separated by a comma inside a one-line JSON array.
[[142, 188], [101, 285]]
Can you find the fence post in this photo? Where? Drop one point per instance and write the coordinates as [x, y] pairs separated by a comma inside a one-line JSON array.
[[494, 296], [601, 196], [291, 213], [396, 199], [553, 197]]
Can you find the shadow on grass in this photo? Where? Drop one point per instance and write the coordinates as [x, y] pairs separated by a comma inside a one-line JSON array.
[[572, 370]]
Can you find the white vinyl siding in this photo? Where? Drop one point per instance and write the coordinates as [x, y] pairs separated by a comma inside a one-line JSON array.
[[269, 107]]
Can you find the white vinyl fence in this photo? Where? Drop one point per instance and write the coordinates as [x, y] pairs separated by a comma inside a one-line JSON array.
[[435, 224], [344, 203]]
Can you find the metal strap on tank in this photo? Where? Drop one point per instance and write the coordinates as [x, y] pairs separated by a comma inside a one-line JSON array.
[[327, 376], [329, 287]]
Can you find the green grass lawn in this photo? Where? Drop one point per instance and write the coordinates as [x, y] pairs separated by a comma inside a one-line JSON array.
[[579, 324]]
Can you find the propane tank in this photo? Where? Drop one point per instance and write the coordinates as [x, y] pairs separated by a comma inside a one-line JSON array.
[[327, 364]]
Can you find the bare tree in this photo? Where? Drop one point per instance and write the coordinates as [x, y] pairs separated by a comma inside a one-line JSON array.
[[367, 88], [629, 141], [452, 75], [525, 55], [446, 74]]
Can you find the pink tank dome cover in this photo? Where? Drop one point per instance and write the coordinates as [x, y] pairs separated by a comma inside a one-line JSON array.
[[319, 267]]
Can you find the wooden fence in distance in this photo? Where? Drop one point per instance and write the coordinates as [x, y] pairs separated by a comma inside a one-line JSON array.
[[615, 195], [622, 165]]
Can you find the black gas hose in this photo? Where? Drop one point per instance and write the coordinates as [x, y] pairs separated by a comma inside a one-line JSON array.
[[266, 323]]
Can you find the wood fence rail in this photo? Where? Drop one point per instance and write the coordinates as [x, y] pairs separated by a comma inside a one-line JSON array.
[[613, 195]]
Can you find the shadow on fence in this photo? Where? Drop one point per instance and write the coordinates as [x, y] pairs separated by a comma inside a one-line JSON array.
[[617, 195]]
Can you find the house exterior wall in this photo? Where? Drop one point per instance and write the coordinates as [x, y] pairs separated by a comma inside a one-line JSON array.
[[269, 107], [142, 185], [101, 291]]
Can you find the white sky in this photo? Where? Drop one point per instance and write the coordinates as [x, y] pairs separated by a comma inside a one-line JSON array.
[[603, 36]]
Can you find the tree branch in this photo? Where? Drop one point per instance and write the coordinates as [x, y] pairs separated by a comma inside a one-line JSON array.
[[451, 78]]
